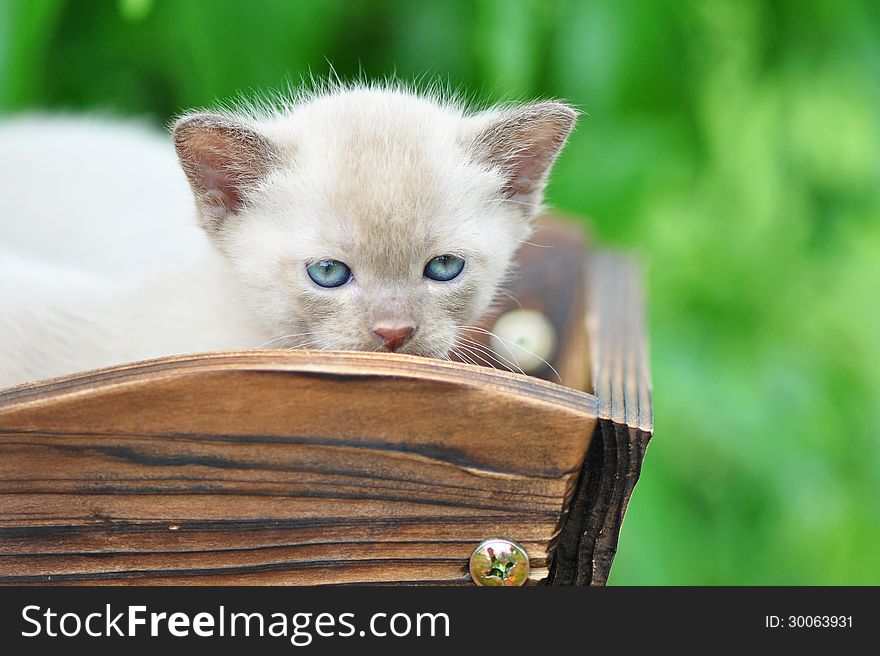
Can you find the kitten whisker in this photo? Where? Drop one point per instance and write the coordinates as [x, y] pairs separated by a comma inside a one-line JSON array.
[[464, 349], [291, 336], [510, 344], [496, 357], [533, 244], [514, 299], [304, 345], [459, 353]]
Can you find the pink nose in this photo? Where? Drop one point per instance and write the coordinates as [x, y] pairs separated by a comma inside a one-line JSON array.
[[393, 336]]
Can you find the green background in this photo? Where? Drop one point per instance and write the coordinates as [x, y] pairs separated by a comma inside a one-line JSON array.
[[734, 144]]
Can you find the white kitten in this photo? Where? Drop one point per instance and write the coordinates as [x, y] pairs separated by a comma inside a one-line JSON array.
[[353, 218]]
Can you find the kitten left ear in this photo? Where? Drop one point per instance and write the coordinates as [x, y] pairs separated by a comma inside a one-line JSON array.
[[524, 142], [223, 160]]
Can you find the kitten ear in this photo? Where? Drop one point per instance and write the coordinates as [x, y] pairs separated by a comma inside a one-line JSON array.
[[223, 159], [524, 142]]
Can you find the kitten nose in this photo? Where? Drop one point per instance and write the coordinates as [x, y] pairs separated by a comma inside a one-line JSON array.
[[393, 336]]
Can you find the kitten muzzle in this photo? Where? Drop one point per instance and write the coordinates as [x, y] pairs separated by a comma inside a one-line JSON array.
[[393, 336]]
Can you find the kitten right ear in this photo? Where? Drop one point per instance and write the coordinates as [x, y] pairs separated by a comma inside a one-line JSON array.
[[223, 160], [523, 142]]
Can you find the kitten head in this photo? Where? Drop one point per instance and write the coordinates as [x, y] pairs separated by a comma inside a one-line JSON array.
[[371, 219]]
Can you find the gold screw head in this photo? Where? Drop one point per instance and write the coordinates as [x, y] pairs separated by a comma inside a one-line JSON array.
[[499, 562]]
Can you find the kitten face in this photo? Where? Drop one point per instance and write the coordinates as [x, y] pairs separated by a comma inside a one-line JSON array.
[[368, 187]]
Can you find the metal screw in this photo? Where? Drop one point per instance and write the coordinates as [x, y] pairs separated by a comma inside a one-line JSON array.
[[497, 562]]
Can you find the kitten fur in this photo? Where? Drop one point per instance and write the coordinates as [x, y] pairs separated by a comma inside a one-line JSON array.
[[101, 263]]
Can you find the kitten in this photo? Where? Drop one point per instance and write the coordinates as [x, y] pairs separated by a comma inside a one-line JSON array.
[[354, 218]]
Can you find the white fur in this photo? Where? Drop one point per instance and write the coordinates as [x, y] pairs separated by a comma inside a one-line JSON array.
[[96, 194], [101, 261]]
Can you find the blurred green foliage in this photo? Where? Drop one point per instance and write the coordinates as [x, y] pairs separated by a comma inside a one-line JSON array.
[[734, 144]]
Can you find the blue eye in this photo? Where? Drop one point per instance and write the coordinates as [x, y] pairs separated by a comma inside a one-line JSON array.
[[329, 273], [444, 268]]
